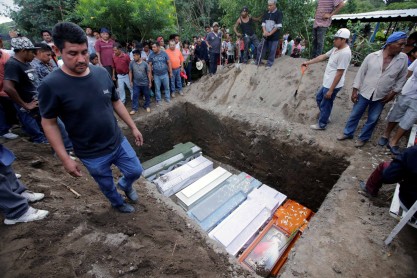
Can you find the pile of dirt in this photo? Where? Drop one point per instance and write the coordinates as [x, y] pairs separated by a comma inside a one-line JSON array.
[[85, 237]]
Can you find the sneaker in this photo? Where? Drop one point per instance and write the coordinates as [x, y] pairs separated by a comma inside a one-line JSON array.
[[344, 137], [181, 94], [132, 112], [32, 196], [395, 150], [32, 214], [167, 100], [126, 208], [267, 67], [10, 136], [173, 95], [317, 127], [148, 110], [360, 143], [132, 195], [188, 83], [18, 176], [362, 186], [382, 141], [158, 103]]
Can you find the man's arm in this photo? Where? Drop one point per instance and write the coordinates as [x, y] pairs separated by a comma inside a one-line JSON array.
[[169, 68], [235, 27], [131, 77], [52, 132], [399, 84], [121, 111], [336, 81], [150, 76], [10, 89], [335, 11], [318, 59]]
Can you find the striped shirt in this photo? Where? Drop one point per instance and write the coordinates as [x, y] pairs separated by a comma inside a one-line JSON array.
[[325, 7]]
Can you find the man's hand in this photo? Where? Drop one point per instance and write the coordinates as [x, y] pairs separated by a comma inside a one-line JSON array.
[[329, 94], [305, 64], [72, 167], [170, 75], [266, 34], [150, 85], [114, 78], [238, 34], [355, 96], [138, 137], [131, 84], [31, 105], [327, 16], [388, 97]]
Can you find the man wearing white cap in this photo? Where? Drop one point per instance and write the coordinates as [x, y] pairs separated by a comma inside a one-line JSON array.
[[334, 76]]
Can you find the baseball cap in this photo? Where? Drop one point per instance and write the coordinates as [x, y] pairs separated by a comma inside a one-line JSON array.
[[159, 39], [104, 30], [20, 43], [245, 9], [215, 24], [342, 33]]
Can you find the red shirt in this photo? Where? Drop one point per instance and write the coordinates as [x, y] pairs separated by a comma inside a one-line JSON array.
[[106, 52], [121, 63]]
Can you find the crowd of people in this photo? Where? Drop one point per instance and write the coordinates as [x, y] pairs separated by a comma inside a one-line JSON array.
[[38, 81]]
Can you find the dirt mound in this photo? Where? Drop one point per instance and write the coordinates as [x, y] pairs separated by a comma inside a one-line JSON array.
[[85, 237]]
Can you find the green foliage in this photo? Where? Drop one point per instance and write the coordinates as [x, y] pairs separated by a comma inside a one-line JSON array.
[[402, 6], [34, 15], [296, 14], [129, 19], [193, 16]]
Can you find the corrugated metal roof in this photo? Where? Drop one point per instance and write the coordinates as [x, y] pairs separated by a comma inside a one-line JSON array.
[[409, 13]]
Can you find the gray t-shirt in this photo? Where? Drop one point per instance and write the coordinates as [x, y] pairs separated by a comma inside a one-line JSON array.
[[215, 41], [159, 63], [140, 73]]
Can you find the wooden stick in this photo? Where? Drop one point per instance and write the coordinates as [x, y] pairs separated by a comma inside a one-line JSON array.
[[77, 195]]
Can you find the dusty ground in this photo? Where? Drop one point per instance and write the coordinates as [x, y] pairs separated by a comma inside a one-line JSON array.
[[86, 238]]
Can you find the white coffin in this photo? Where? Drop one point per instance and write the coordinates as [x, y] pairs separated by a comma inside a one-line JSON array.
[[242, 224], [223, 201], [181, 177], [190, 196]]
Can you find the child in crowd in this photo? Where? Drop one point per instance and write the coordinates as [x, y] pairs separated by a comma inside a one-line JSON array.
[[93, 59], [140, 80], [296, 51], [290, 45], [187, 53]]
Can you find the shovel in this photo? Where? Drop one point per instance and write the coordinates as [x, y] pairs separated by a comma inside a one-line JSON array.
[[253, 79], [303, 70]]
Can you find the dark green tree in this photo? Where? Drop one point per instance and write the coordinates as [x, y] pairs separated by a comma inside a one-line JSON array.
[[31, 16]]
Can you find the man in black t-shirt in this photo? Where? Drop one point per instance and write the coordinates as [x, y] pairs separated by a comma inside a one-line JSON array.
[[85, 99], [248, 33], [271, 24], [20, 81]]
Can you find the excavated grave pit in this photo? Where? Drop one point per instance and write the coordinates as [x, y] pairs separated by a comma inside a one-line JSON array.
[[305, 174]]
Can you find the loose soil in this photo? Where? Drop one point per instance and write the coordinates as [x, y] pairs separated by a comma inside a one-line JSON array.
[[259, 128]]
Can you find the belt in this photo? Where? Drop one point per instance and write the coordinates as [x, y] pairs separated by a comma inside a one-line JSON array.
[[123, 73], [176, 68]]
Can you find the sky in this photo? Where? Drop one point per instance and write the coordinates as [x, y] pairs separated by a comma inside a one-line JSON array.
[[9, 3]]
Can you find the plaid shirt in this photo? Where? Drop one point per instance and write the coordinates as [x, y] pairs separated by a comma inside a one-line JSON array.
[[325, 7], [42, 69]]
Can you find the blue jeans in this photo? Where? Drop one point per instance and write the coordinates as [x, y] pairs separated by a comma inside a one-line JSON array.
[[374, 111], [136, 93], [319, 34], [271, 47], [325, 105], [121, 81], [214, 57], [188, 69], [12, 204], [124, 157], [176, 83], [161, 79], [30, 125]]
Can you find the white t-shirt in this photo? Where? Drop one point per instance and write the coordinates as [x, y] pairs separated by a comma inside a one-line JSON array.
[[410, 87], [338, 59]]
